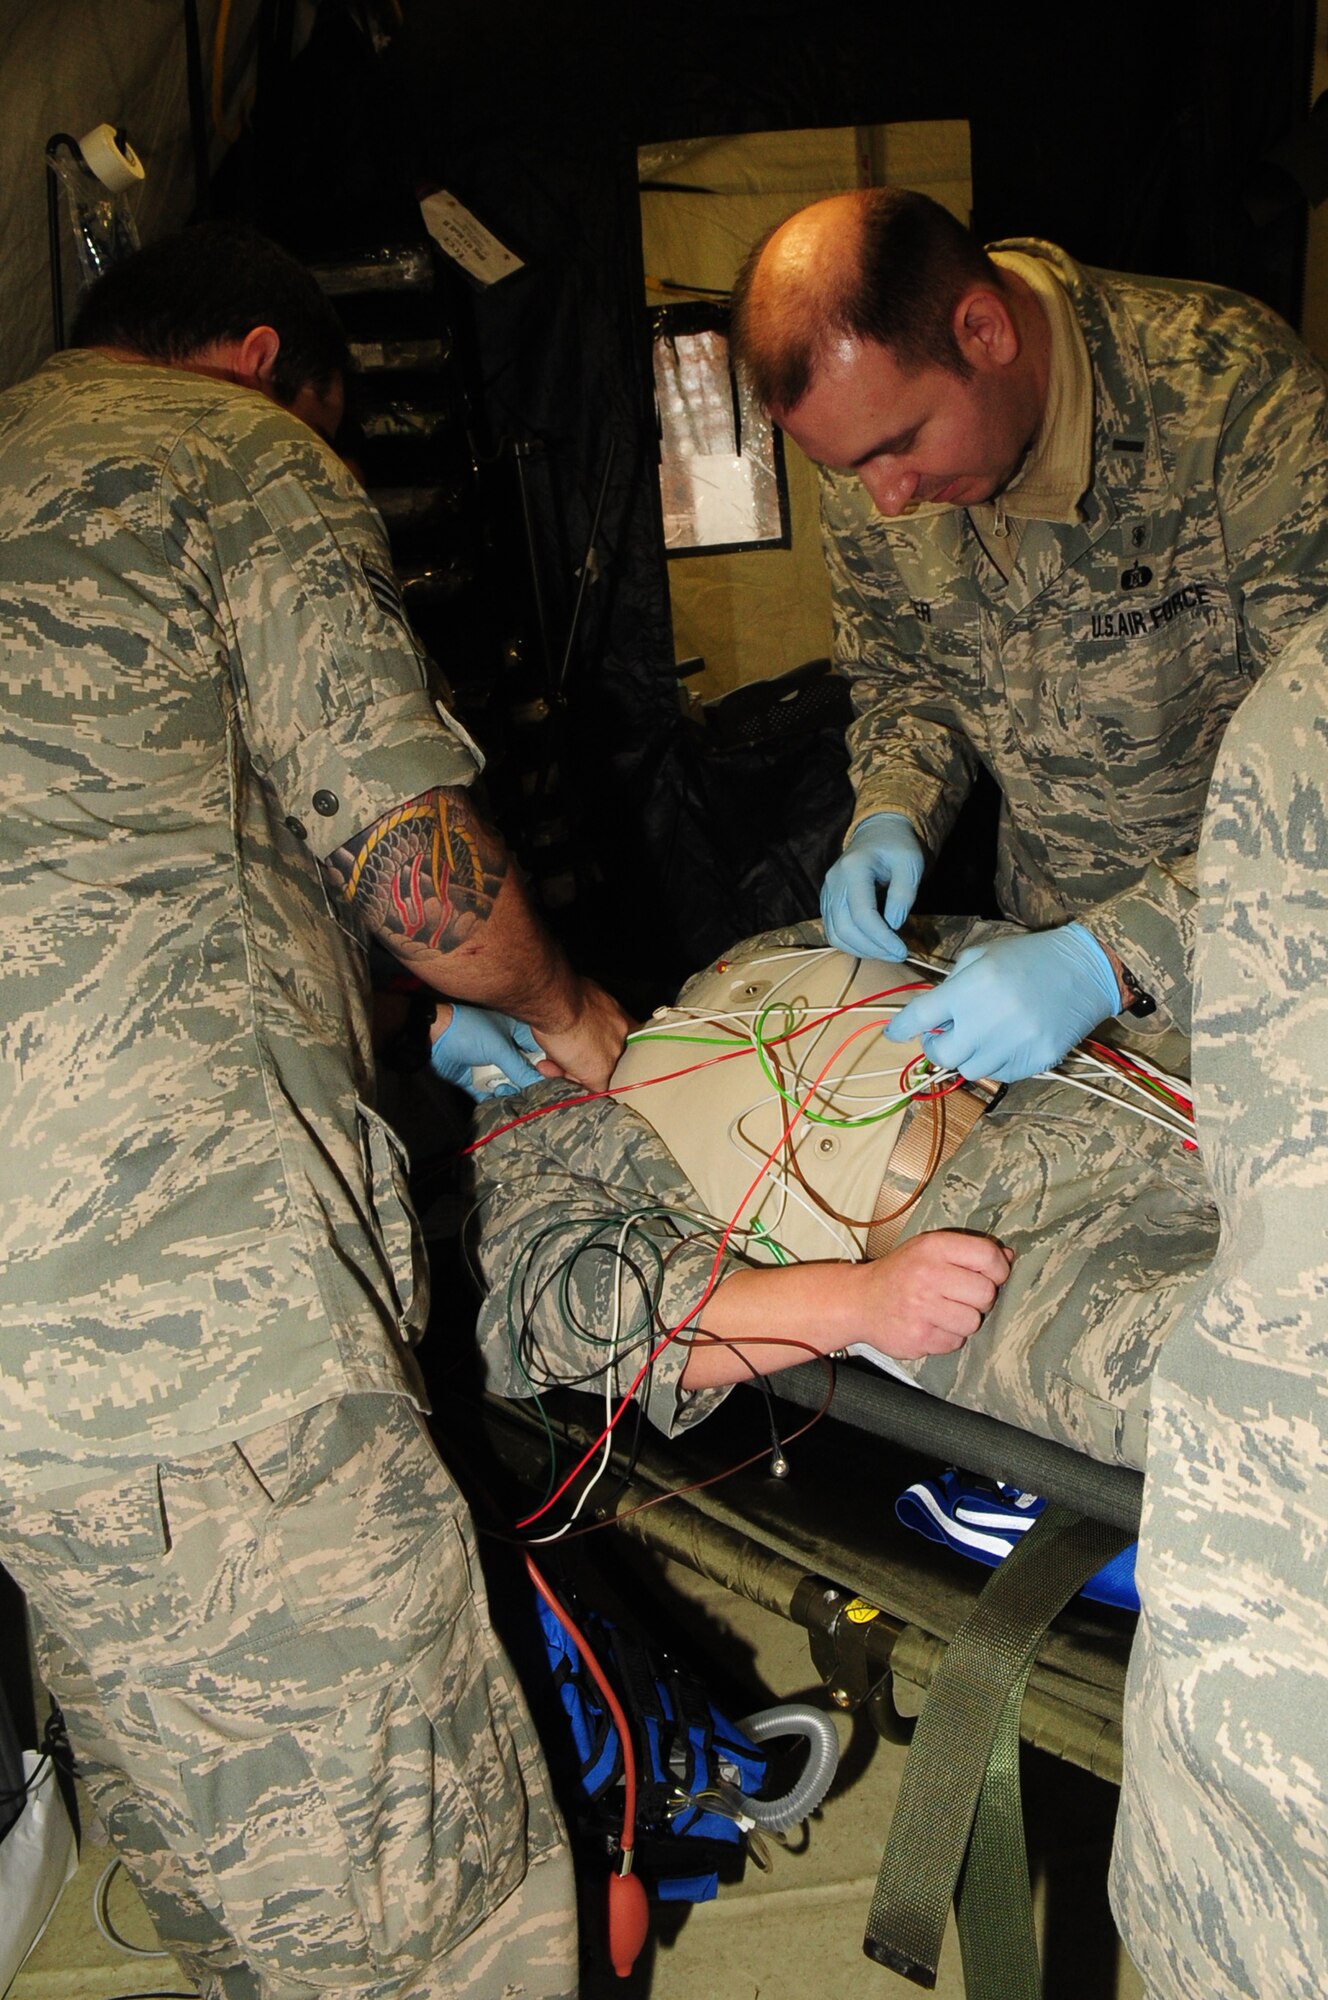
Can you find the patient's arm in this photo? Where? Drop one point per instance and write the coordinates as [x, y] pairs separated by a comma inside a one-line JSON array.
[[572, 1206], [928, 1296]]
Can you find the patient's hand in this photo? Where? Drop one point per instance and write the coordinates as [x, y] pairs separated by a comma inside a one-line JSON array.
[[926, 1297], [931, 1294]]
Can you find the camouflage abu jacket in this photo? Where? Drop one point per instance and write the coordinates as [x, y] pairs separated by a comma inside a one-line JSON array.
[[206, 683], [1220, 1879], [1096, 684]]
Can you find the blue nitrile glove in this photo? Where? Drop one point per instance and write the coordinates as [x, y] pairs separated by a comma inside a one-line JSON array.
[[884, 852], [478, 1049], [1015, 1006]]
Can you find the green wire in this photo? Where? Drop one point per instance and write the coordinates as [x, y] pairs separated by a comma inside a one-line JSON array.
[[705, 1041], [813, 1117], [776, 1249]]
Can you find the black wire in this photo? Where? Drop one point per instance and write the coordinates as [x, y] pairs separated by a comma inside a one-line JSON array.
[[763, 1384], [649, 1296], [531, 1351], [54, 1749], [633, 1446], [530, 1348]]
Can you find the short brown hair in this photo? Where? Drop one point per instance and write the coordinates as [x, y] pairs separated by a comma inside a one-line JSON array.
[[216, 281], [914, 263]]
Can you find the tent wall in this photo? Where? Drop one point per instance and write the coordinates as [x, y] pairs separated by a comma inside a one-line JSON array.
[[66, 66], [758, 613]]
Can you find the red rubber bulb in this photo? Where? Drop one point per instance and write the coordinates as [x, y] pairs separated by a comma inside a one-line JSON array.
[[629, 1922]]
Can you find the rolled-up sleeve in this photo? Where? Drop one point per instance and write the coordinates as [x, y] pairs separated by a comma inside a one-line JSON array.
[[286, 571]]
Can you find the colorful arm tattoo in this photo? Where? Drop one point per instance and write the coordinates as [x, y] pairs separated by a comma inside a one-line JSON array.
[[425, 874]]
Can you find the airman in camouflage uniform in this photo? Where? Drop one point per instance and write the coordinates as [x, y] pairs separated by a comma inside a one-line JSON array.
[[1103, 503], [254, 1585], [1220, 1880], [1096, 682]]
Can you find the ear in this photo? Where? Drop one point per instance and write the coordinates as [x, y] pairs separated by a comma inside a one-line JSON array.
[[984, 329], [256, 357]]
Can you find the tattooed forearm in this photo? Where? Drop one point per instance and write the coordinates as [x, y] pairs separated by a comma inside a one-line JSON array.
[[425, 874]]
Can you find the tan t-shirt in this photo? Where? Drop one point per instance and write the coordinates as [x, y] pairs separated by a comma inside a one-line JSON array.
[[720, 1122], [1056, 472]]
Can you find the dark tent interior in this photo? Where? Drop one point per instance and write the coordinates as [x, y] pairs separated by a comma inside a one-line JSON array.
[[667, 834], [509, 431]]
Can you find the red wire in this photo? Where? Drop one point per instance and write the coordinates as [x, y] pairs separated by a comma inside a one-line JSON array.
[[868, 1027], [729, 1471], [708, 1062], [1117, 1059], [627, 1839]]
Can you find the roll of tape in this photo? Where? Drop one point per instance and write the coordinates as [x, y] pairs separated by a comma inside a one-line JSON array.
[[117, 166]]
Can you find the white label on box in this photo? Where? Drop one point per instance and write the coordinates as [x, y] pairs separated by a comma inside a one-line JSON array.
[[455, 230]]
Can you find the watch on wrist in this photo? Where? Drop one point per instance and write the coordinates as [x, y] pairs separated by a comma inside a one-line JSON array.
[[1140, 1003]]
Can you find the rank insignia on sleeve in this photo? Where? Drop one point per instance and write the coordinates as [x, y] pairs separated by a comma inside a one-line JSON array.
[[384, 589]]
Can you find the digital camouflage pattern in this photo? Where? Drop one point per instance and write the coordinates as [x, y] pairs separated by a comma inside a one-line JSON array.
[[281, 1651], [258, 1595], [1109, 1217], [1096, 684], [1220, 1880], [201, 694], [1111, 1225]]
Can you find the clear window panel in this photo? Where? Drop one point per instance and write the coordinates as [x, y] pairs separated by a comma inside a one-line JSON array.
[[721, 459]]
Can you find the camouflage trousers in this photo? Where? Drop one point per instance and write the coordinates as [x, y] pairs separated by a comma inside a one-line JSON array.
[[277, 1671]]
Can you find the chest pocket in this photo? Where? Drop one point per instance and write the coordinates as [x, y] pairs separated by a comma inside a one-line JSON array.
[[939, 614], [1147, 666]]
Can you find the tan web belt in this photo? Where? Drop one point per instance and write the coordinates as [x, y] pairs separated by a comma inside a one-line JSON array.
[[920, 1152]]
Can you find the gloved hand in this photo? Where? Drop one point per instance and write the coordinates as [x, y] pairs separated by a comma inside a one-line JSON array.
[[1015, 1006], [884, 852], [476, 1040]]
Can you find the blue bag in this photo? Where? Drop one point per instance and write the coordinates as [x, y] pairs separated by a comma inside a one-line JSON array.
[[684, 1747]]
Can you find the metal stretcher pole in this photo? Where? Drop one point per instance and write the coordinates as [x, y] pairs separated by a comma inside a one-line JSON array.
[[875, 1402]]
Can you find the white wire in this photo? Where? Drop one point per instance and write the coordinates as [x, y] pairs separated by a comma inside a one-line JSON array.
[[712, 1017], [799, 951], [785, 1183], [1141, 1062], [102, 1916], [611, 1391], [780, 1175], [846, 1244], [1123, 1079], [749, 1150], [1138, 1110]]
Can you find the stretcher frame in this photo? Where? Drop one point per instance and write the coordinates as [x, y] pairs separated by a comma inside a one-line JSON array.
[[886, 1614]]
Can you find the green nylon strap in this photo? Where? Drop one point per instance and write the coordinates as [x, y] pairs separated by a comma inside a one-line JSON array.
[[973, 1701], [993, 1897]]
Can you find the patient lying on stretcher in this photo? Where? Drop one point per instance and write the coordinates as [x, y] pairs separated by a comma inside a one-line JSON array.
[[767, 1183]]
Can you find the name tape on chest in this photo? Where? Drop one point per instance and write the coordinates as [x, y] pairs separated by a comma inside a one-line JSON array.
[[1134, 620]]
